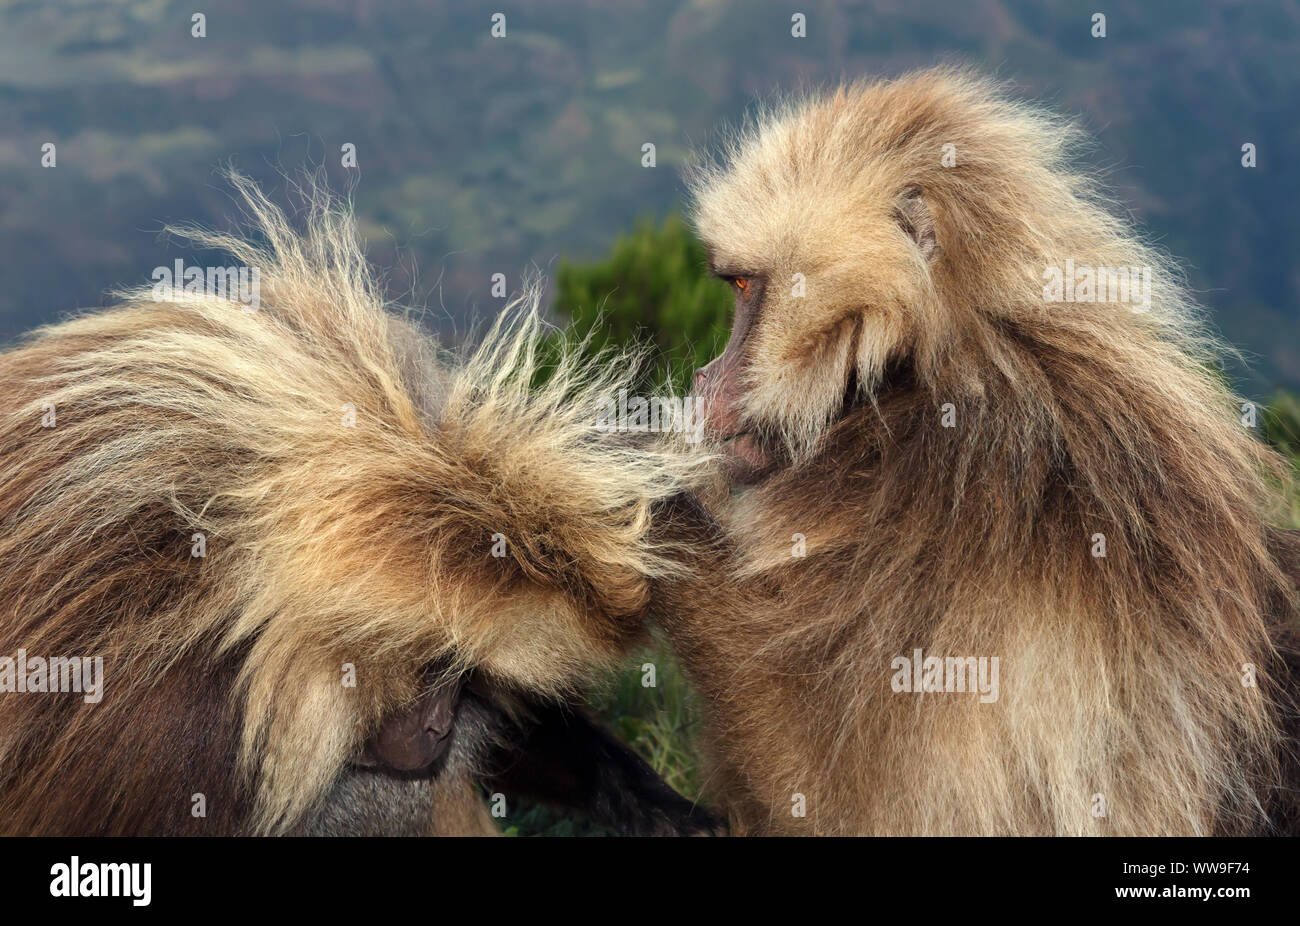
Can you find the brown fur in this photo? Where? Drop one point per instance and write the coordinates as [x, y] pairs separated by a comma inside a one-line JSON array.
[[1120, 676], [326, 544]]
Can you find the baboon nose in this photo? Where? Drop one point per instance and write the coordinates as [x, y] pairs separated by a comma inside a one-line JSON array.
[[701, 377]]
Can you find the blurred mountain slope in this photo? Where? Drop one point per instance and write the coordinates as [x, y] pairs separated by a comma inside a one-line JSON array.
[[480, 155]]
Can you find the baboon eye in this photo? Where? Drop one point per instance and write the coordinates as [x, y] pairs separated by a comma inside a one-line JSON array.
[[742, 284]]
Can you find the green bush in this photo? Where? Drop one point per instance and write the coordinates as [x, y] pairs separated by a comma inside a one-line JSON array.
[[653, 289], [1280, 424]]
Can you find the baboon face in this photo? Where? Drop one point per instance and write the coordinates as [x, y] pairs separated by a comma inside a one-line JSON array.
[[416, 737], [828, 249]]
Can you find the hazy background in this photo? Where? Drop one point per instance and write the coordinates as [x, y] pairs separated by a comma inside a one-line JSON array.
[[480, 155]]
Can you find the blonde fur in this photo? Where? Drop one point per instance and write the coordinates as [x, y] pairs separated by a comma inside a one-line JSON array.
[[1121, 676], [326, 544]]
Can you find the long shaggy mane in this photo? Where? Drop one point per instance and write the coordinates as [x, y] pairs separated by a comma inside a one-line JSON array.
[[1122, 676], [350, 481]]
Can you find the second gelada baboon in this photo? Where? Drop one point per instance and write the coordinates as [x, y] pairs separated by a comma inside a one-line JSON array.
[[992, 555]]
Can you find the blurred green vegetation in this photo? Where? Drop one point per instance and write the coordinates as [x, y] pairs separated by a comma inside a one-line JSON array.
[[1281, 425], [653, 289]]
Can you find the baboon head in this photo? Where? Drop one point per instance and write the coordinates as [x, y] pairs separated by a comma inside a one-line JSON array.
[[883, 226]]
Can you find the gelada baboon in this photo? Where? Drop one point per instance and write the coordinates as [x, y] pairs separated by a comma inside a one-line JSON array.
[[275, 524], [932, 466]]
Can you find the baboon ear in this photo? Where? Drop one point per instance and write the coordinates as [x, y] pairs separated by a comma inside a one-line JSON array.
[[913, 214]]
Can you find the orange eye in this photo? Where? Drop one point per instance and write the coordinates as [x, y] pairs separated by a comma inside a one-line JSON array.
[[742, 284]]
